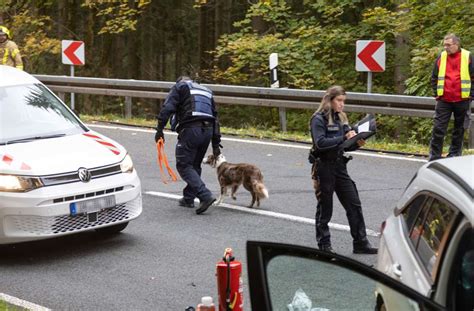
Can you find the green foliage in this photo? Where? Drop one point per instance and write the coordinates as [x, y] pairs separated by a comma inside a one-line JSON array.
[[428, 22], [316, 48], [118, 18], [32, 36]]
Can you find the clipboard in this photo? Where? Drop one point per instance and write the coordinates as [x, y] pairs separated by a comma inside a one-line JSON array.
[[365, 128], [347, 144]]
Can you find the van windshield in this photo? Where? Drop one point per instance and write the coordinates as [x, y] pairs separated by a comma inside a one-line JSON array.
[[33, 112]]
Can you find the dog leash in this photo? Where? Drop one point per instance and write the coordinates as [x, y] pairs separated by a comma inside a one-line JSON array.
[[162, 159]]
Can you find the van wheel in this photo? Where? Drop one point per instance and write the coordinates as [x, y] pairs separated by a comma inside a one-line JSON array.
[[112, 229]]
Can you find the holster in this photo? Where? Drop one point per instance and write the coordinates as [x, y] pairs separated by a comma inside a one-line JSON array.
[[313, 155], [346, 159], [315, 177]]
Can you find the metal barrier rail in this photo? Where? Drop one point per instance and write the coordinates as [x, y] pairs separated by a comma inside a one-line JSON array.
[[400, 105]]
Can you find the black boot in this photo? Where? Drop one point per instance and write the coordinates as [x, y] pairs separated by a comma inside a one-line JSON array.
[[203, 206], [364, 249], [184, 203]]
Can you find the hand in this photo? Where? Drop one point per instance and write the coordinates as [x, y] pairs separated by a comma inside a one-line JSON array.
[[350, 134], [216, 151], [361, 142], [159, 134]]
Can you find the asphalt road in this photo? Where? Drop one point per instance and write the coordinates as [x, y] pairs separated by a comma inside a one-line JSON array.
[[165, 260]]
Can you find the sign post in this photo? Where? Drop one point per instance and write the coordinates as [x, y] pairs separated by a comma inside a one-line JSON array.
[[370, 57], [72, 54], [275, 83]]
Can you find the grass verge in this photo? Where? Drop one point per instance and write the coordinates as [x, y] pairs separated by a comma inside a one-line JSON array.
[[4, 306], [375, 144]]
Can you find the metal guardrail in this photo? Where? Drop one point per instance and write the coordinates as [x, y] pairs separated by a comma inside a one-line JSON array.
[[399, 105]]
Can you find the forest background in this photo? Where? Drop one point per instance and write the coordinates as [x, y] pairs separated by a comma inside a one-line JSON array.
[[229, 42]]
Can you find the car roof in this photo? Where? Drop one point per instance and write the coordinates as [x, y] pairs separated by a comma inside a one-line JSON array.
[[10, 76], [460, 171]]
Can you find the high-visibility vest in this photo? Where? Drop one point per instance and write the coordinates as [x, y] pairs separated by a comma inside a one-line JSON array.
[[465, 77]]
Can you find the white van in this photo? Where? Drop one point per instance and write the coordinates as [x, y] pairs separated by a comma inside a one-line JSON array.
[[57, 176]]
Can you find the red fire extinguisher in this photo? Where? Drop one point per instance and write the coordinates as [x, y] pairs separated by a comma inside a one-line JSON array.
[[229, 283]]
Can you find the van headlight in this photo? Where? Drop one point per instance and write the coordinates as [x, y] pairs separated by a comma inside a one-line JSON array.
[[13, 183], [127, 164]]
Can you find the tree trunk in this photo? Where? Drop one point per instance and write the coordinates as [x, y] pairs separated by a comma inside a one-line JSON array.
[[402, 58], [132, 55]]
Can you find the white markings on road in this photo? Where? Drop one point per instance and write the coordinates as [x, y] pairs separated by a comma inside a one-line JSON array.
[[258, 142], [298, 219], [21, 303]]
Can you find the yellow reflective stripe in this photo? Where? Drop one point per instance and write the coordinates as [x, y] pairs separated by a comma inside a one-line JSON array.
[[465, 77], [14, 52], [5, 57], [442, 73]]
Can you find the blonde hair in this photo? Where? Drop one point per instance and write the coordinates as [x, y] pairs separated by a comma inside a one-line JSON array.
[[326, 107]]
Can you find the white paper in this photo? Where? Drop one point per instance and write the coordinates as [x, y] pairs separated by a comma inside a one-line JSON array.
[[364, 127]]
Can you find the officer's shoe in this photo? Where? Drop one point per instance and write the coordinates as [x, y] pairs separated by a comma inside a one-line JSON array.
[[182, 202], [204, 205], [365, 249], [326, 248]]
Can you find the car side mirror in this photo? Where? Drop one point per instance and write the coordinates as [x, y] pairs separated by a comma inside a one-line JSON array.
[[289, 277]]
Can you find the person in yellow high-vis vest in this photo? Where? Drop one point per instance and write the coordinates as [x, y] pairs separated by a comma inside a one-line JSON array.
[[452, 81], [9, 53]]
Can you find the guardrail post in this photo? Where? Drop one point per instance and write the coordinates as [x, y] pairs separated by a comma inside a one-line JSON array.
[[282, 113], [62, 96], [128, 107]]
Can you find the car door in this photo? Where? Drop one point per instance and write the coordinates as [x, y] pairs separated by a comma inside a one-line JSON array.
[[290, 277]]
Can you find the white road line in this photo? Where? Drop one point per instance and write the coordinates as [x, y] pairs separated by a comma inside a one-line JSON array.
[[22, 303], [303, 220], [257, 142]]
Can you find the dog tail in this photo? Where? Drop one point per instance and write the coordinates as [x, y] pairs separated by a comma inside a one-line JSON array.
[[261, 191]]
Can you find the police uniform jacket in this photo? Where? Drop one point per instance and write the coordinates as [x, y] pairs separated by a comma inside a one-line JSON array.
[[190, 104], [327, 139]]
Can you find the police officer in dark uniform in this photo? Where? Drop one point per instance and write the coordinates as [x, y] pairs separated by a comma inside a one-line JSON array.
[[329, 129], [194, 116]]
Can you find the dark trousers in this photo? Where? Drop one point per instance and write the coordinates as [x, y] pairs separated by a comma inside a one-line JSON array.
[[190, 151], [443, 113], [333, 177]]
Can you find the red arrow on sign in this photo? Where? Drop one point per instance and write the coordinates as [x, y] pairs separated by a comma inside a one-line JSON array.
[[366, 55], [71, 50]]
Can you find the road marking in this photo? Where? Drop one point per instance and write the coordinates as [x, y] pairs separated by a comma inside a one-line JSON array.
[[22, 303], [298, 219], [267, 143]]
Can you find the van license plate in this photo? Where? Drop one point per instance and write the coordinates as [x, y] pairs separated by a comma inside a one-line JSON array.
[[92, 206]]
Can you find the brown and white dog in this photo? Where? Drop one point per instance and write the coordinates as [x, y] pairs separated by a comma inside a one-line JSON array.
[[234, 175]]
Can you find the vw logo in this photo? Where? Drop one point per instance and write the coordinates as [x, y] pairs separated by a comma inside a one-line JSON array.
[[84, 174]]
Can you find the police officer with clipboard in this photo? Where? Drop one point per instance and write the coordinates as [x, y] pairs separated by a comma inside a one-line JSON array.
[[329, 131], [195, 119]]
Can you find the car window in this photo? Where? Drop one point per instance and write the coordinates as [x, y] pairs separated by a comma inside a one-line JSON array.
[[301, 284], [31, 111], [434, 231], [292, 277], [410, 213]]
